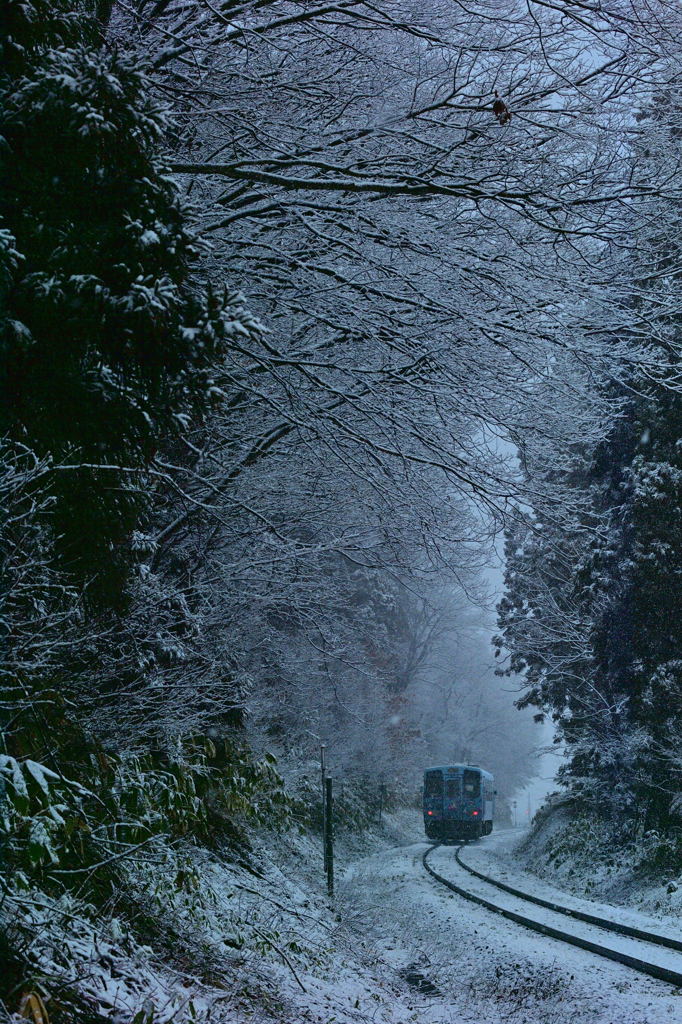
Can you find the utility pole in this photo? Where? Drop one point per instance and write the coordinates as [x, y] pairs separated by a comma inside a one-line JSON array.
[[514, 812], [323, 774], [382, 795], [328, 836]]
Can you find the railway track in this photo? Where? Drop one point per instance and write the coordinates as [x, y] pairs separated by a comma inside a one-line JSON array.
[[658, 956]]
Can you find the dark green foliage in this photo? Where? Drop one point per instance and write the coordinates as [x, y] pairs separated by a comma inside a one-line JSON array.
[[105, 345], [108, 349], [111, 806], [637, 574], [592, 614], [357, 801], [29, 27]]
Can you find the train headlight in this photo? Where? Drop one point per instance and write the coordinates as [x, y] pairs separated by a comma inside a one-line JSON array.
[[475, 813]]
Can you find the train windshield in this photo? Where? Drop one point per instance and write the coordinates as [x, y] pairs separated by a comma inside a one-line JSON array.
[[452, 790], [433, 784], [472, 783]]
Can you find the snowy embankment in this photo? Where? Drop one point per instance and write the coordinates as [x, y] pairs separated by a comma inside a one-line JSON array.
[[260, 941], [250, 938], [580, 857], [247, 940], [475, 966]]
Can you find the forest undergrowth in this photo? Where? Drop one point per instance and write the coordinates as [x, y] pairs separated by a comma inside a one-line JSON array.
[[605, 860], [228, 918]]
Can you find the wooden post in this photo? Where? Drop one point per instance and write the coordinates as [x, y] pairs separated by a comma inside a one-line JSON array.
[[4, 812], [328, 836], [323, 775], [382, 794]]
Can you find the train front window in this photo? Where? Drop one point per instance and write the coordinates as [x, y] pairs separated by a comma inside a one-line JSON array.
[[433, 784], [472, 784], [452, 790]]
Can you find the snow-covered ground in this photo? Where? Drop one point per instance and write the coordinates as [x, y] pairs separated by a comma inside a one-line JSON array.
[[394, 947], [480, 967], [498, 857], [580, 858]]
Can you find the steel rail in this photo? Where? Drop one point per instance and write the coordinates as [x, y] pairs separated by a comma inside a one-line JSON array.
[[581, 915], [637, 964]]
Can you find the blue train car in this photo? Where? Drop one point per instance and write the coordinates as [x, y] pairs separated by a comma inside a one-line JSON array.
[[459, 802]]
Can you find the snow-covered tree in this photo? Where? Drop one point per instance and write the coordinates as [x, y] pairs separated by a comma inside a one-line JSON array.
[[592, 608], [108, 344]]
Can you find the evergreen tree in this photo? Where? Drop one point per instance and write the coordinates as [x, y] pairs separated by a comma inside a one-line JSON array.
[[107, 344], [620, 594], [635, 582], [592, 610]]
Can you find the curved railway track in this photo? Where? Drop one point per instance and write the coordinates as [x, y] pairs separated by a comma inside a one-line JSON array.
[[626, 949]]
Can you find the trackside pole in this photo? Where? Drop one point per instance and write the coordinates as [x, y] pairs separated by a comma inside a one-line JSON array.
[[328, 836], [323, 775]]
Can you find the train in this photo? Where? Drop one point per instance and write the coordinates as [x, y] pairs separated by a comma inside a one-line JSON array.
[[459, 802]]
